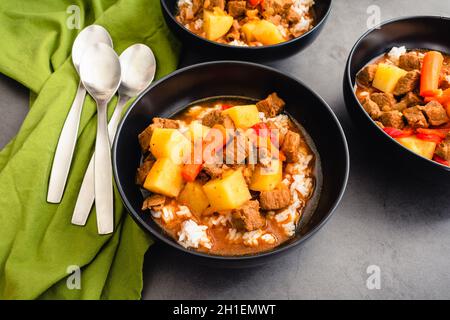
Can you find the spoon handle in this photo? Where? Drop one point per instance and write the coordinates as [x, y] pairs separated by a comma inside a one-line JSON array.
[[65, 149], [103, 174], [86, 195]]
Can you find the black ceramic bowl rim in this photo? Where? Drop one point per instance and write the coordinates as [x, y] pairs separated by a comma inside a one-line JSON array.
[[274, 251], [350, 82], [230, 47]]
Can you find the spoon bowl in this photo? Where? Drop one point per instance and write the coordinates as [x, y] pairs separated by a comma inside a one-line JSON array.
[[138, 70], [89, 36], [100, 72]]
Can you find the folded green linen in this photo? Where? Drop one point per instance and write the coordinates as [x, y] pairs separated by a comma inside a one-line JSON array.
[[39, 247]]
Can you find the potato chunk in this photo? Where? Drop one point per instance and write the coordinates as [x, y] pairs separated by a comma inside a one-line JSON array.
[[164, 178], [194, 197], [262, 31], [424, 148], [267, 179], [387, 76], [227, 193], [216, 23], [169, 143], [243, 116]]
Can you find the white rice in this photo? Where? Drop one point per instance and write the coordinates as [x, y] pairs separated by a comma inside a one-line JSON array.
[[302, 26], [198, 24], [395, 53], [220, 220], [238, 43], [262, 117], [156, 214], [167, 214], [289, 228], [193, 235], [251, 238], [183, 212], [302, 184], [282, 30], [233, 235], [268, 238], [187, 3], [302, 7]]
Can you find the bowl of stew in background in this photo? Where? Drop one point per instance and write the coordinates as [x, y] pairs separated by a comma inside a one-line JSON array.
[[299, 26], [240, 84], [392, 108]]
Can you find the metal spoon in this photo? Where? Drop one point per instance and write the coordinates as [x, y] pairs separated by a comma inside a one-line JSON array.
[[68, 138], [138, 71], [100, 72]]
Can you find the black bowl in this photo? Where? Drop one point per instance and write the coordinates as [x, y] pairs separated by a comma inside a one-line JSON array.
[[173, 93], [214, 50], [423, 32]]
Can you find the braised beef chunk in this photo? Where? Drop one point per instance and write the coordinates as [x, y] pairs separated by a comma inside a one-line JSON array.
[[385, 101], [155, 202], [248, 217], [143, 171], [435, 113], [166, 123], [211, 4], [275, 199], [407, 83], [409, 100], [415, 117], [213, 170], [237, 8], [410, 61], [271, 106], [412, 99], [392, 119], [443, 149], [371, 108], [146, 135], [217, 117], [366, 75], [276, 7], [291, 145]]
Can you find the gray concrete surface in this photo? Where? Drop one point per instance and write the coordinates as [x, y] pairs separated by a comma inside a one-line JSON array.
[[387, 219]]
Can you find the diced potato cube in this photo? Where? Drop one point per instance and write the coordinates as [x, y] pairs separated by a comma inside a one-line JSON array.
[[262, 31], [170, 143], [197, 131], [216, 23], [248, 30], [387, 76], [194, 197], [164, 178], [424, 148], [244, 116], [267, 179], [227, 193]]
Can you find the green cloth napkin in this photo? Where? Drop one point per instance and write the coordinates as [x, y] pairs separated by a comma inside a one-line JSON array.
[[38, 244]]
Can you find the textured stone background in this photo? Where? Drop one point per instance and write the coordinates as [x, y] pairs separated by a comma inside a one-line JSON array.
[[386, 219]]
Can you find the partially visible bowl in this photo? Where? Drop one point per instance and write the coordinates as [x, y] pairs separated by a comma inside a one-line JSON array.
[[173, 93], [322, 10], [420, 32]]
